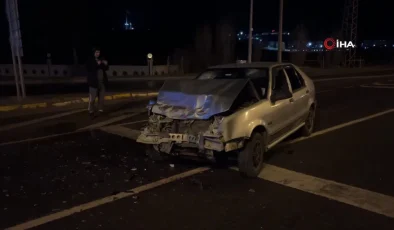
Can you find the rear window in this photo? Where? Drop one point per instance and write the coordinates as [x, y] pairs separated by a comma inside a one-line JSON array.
[[233, 73]]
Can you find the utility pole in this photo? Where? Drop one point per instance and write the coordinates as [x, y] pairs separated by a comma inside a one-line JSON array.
[[250, 32], [280, 34], [349, 30], [16, 44]]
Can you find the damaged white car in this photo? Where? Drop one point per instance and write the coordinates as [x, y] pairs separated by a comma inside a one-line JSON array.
[[242, 109]]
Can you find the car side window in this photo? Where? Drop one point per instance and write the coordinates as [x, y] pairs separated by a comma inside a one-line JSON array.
[[296, 80], [279, 81], [261, 85]]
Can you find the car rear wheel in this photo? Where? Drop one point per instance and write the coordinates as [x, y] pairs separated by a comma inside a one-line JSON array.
[[307, 129], [250, 159]]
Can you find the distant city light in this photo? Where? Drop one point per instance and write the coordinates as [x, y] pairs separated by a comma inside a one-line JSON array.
[[128, 25]]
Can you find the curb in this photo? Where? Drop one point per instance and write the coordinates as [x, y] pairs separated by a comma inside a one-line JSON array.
[[8, 108]]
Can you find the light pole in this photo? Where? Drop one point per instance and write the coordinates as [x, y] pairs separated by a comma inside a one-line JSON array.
[[250, 32], [280, 31]]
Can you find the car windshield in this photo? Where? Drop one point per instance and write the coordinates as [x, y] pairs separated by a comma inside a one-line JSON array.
[[234, 73]]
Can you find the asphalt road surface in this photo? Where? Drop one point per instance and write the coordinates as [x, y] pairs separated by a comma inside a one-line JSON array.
[[87, 178]]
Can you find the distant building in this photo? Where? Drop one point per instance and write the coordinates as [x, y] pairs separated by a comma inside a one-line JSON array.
[[128, 25], [269, 41]]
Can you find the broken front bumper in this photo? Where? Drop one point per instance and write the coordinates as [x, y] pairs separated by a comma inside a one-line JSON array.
[[201, 142]]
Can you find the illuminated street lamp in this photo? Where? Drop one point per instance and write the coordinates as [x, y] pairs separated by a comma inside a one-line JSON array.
[[150, 63]]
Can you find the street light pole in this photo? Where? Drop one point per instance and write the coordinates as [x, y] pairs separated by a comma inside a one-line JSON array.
[[250, 32], [280, 31]]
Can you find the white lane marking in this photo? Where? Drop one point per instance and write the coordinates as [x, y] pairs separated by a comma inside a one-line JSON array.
[[59, 135], [109, 121], [18, 125], [355, 77], [121, 131], [106, 200], [324, 131], [39, 138], [133, 122], [377, 87], [360, 198], [384, 84]]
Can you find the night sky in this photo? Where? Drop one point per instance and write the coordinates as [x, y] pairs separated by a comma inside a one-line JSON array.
[[73, 20]]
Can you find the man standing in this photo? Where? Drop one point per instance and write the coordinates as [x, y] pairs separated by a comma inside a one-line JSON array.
[[97, 80]]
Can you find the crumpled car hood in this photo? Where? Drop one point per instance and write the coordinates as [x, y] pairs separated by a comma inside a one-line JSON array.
[[197, 99]]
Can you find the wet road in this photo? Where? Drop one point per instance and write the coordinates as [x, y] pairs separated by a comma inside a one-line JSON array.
[[340, 178]]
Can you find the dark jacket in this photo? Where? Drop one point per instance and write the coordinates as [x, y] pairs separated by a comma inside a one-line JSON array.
[[92, 70]]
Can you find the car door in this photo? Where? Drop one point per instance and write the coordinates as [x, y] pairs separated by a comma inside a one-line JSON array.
[[300, 93], [279, 119]]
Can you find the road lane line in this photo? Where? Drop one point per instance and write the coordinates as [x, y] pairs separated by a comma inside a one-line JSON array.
[[106, 200], [355, 77], [383, 84], [109, 121], [21, 124], [121, 131], [357, 197], [377, 87], [133, 122], [114, 131], [324, 131], [39, 138]]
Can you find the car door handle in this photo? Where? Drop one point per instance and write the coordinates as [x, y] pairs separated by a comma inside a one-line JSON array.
[[291, 100]]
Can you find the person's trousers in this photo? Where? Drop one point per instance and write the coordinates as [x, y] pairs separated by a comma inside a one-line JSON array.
[[96, 93]]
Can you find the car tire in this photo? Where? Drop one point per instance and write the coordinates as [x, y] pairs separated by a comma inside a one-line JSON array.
[[307, 129], [250, 159], [154, 154]]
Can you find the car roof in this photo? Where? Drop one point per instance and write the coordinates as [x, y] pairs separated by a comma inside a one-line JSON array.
[[249, 65]]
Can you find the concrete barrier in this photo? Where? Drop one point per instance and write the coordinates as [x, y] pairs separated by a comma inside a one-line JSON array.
[[69, 70]]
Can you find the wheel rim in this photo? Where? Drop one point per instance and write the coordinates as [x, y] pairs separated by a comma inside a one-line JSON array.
[[257, 154], [310, 120]]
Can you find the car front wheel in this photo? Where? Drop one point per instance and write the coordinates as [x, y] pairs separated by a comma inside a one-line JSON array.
[[307, 129], [250, 159]]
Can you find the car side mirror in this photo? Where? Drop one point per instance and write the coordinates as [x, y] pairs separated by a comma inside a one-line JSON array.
[[280, 95]]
